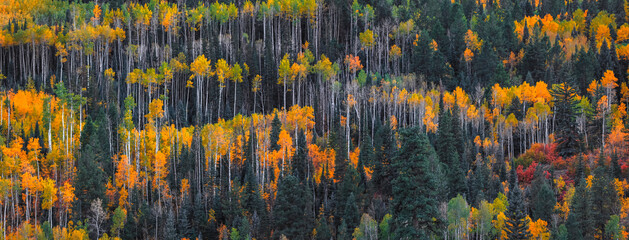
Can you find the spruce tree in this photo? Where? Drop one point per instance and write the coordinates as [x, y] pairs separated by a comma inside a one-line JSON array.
[[446, 147], [414, 204], [323, 229], [276, 128], [578, 223], [183, 224], [300, 162], [603, 197], [616, 171], [517, 225], [292, 218], [338, 143], [90, 179], [384, 151], [351, 214], [253, 201], [566, 131], [348, 187], [543, 199], [170, 231]]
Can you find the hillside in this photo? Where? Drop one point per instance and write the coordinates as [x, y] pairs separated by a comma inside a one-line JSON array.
[[314, 119]]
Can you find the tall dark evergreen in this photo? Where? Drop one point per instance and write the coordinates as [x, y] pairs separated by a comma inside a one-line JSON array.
[[385, 149], [579, 224], [170, 230], [566, 131], [414, 205], [543, 198], [290, 211], [517, 225], [603, 197], [349, 187], [323, 229], [446, 147], [253, 201], [300, 167], [90, 179], [276, 128]]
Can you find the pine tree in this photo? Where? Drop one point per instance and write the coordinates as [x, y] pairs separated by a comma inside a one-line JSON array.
[[616, 171], [183, 224], [566, 131], [338, 143], [351, 214], [580, 170], [587, 66], [446, 147], [365, 159], [323, 227], [603, 197], [384, 152], [346, 189], [517, 225], [292, 218], [253, 201], [457, 132], [579, 222], [414, 204], [275, 133], [170, 232], [300, 167], [90, 175], [543, 198]]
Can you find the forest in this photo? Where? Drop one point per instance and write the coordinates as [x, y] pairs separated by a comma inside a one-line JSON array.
[[314, 119]]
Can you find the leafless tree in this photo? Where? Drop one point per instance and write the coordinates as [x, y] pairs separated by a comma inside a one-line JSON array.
[[97, 216]]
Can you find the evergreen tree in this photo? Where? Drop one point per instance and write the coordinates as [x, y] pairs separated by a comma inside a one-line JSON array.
[[446, 147], [414, 204], [365, 159], [384, 150], [616, 171], [578, 224], [291, 215], [562, 233], [351, 214], [566, 131], [580, 170], [603, 198], [543, 198], [586, 65], [517, 225], [183, 224], [339, 144], [253, 201], [90, 179], [170, 231], [323, 228], [300, 167], [346, 189], [276, 128]]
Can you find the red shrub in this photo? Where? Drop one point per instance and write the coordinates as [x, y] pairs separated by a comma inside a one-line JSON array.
[[543, 154], [526, 176]]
